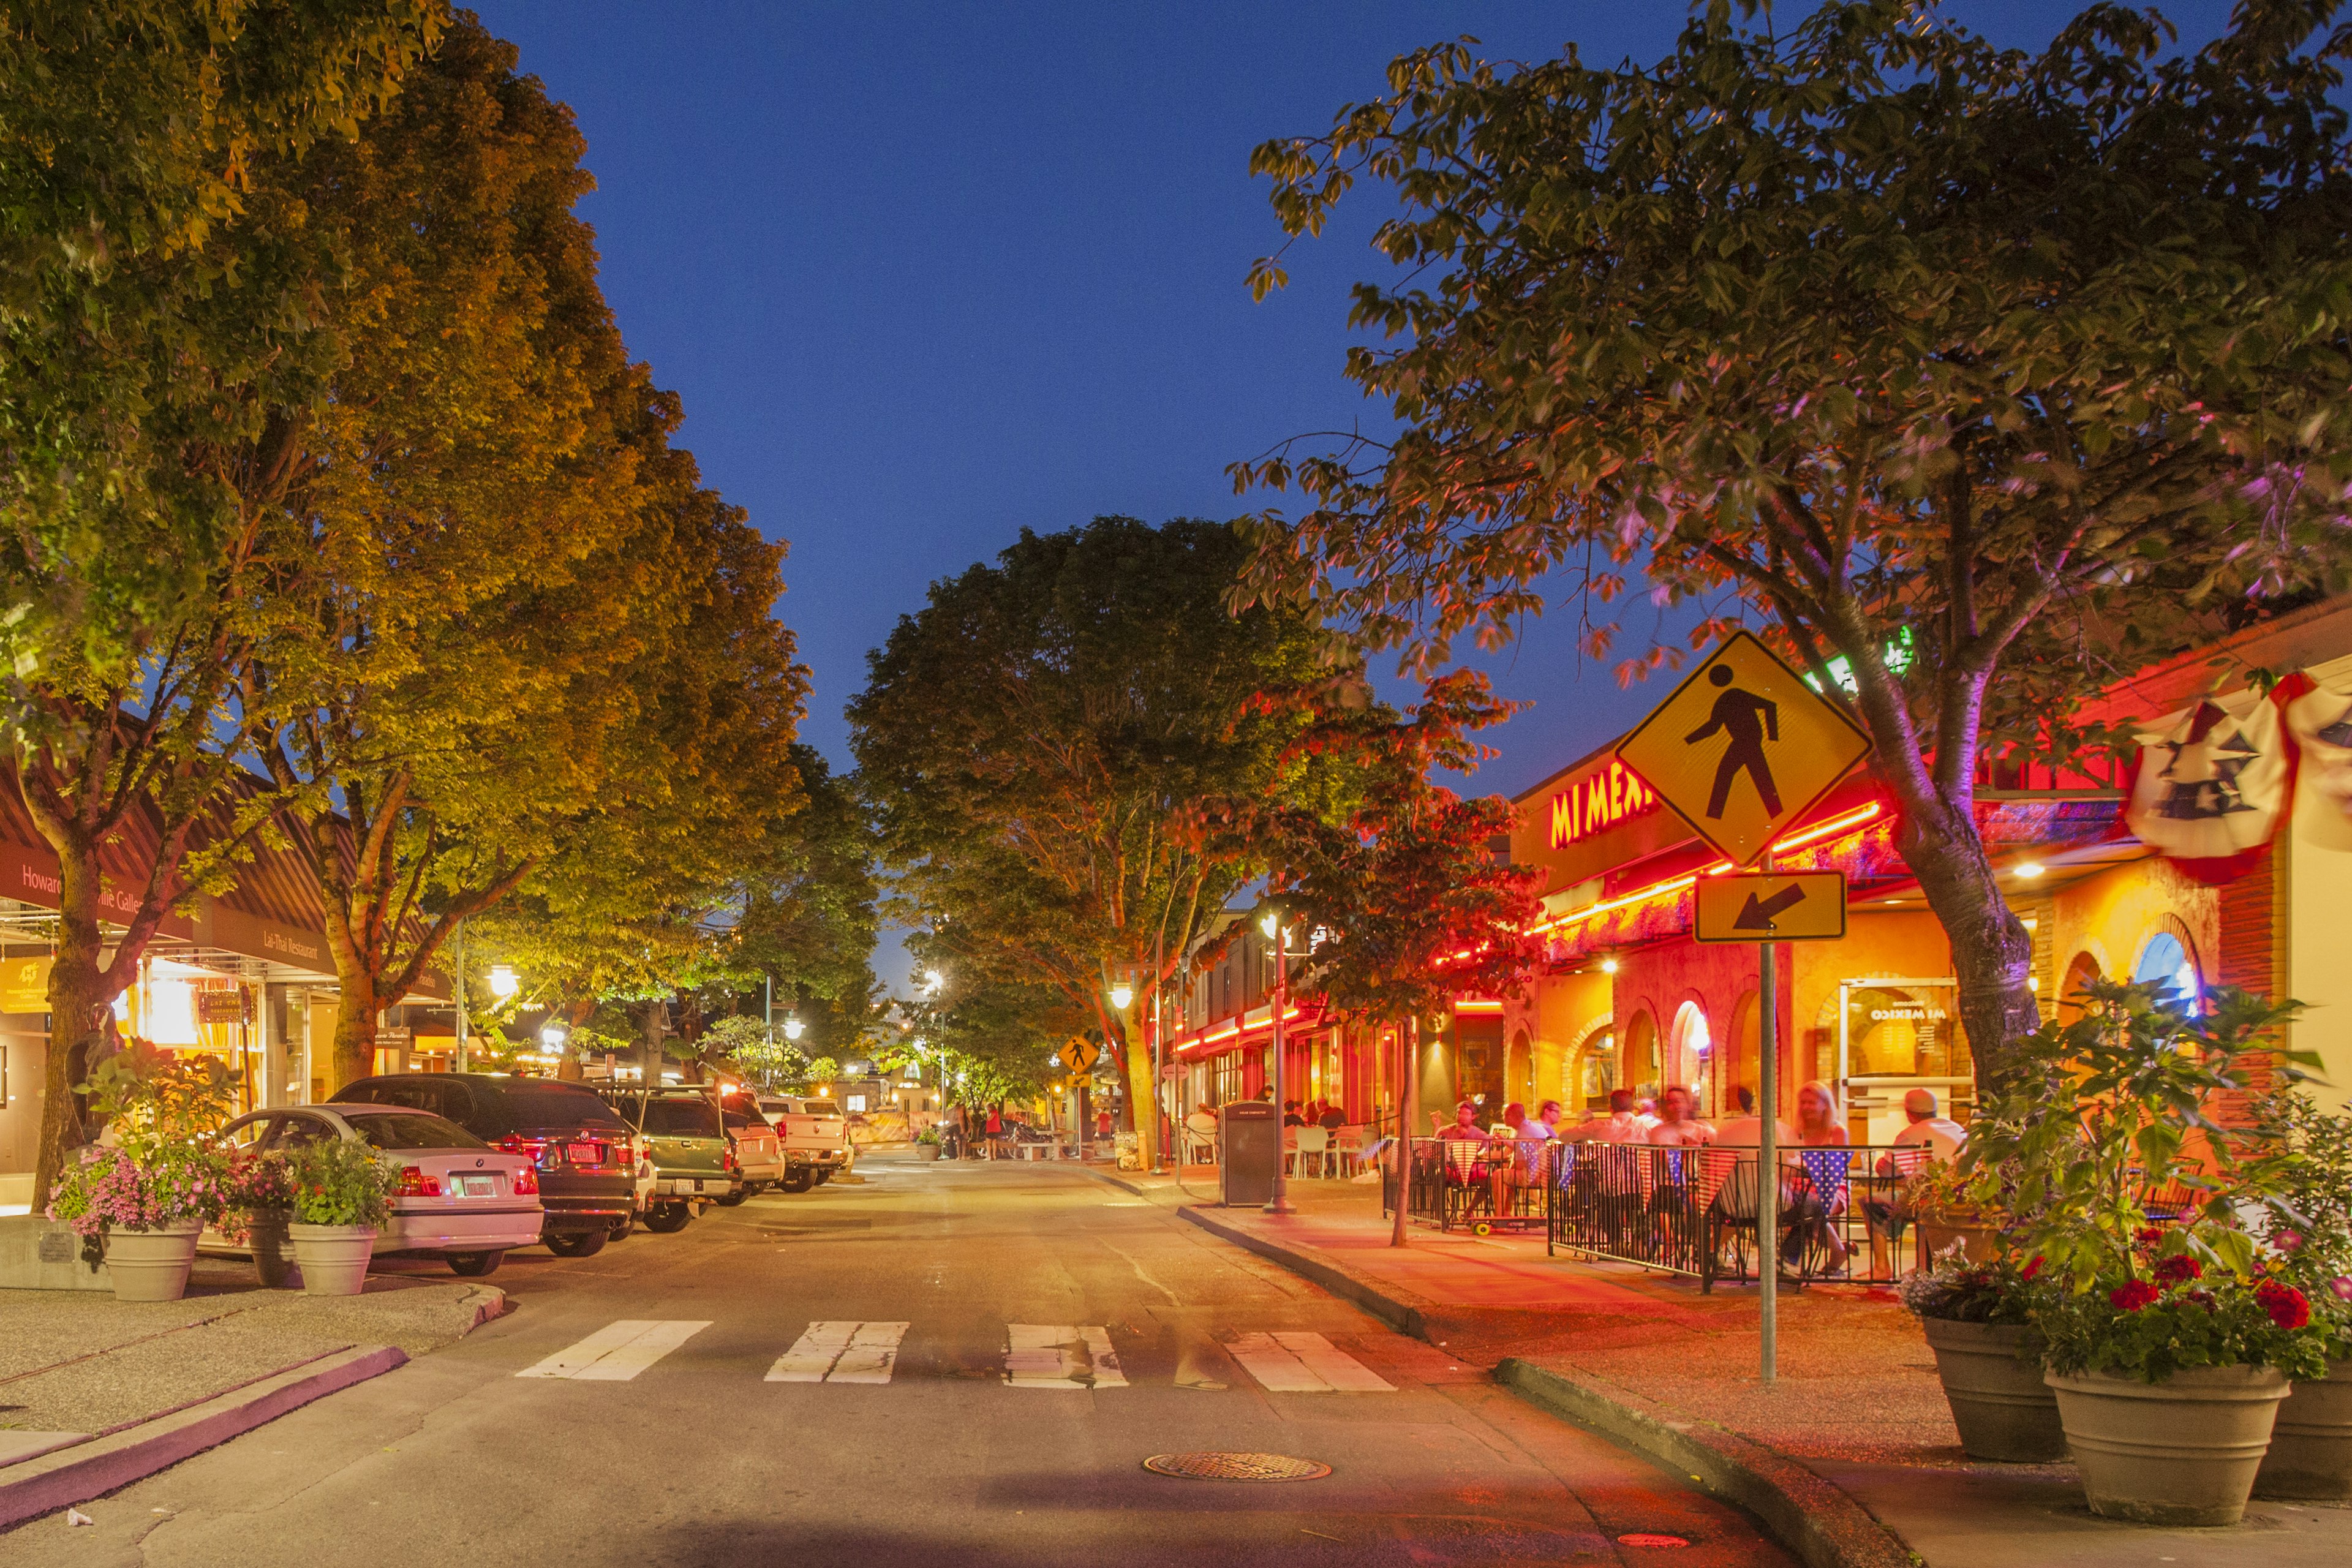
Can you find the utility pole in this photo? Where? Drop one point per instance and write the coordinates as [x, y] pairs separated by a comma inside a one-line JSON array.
[[1409, 1060], [1280, 1202], [457, 946]]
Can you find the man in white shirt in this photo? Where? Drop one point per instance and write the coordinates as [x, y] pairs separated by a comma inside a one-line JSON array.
[[1621, 1125], [1677, 1126], [1944, 1138]]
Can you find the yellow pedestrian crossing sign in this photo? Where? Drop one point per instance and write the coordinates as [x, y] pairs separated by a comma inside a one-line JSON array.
[[1078, 1056], [1743, 748]]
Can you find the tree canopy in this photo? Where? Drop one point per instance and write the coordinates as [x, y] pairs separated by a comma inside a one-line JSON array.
[[1863, 329]]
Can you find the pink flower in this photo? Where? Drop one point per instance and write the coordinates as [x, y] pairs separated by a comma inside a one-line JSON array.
[[2287, 1240], [2342, 1286]]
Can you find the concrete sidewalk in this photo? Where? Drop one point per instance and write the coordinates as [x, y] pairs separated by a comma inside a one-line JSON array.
[[1850, 1456], [95, 1392]]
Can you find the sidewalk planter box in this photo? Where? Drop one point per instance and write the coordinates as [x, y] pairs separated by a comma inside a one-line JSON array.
[[2003, 1408], [152, 1265], [333, 1258], [2180, 1452], [927, 1151], [2310, 1458]]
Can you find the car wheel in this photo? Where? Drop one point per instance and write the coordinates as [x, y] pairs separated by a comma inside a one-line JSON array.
[[474, 1265], [665, 1219], [576, 1243], [799, 1182], [824, 1176], [735, 1197]]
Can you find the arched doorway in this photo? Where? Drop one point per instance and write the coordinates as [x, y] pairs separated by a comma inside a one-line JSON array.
[[2071, 999], [1739, 1065], [1518, 1070], [1691, 1061], [2167, 960], [1642, 1071]]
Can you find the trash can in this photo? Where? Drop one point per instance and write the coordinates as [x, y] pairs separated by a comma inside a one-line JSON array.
[[1253, 1142]]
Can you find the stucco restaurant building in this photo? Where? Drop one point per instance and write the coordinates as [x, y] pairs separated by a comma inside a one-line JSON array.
[[2223, 856]]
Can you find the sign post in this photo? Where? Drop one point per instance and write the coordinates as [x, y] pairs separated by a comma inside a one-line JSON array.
[[1740, 750]]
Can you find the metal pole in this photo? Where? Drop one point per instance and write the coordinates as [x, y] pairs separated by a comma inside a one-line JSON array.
[[459, 943], [1280, 1202], [1768, 1172]]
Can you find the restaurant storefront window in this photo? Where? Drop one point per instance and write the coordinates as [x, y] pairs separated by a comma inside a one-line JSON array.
[[1894, 1036]]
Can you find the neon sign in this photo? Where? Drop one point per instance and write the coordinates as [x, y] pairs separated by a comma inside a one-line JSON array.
[[1603, 798]]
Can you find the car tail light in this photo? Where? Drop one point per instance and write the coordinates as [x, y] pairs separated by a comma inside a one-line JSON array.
[[526, 1183], [416, 1183], [532, 1149]]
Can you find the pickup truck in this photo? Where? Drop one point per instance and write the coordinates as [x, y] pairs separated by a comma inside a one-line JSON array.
[[815, 1139]]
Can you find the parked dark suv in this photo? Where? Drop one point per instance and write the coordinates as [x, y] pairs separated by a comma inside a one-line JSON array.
[[587, 1156]]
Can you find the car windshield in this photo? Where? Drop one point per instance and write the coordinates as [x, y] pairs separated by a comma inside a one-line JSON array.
[[543, 1104], [412, 1130], [680, 1119], [737, 1116]]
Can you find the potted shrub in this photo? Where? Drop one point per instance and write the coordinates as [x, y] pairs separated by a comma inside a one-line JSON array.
[[260, 1207], [340, 1190], [150, 1184], [2310, 1245], [927, 1143], [2167, 1340], [1978, 1320]]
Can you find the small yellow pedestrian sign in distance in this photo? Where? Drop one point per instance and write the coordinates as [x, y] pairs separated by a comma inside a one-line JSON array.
[[1798, 906], [1743, 748], [1079, 1054]]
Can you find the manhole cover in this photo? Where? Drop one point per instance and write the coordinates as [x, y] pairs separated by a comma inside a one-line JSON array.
[[1236, 1467], [1643, 1538]]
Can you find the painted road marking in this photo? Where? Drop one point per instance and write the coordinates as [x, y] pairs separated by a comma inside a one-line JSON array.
[[1304, 1363], [1043, 1355], [618, 1352], [841, 1351]]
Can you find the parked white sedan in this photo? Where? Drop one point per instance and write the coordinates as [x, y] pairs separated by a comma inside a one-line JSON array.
[[453, 1196]]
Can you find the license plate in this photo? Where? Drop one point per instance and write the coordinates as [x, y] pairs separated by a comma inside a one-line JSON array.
[[471, 1187], [583, 1154]]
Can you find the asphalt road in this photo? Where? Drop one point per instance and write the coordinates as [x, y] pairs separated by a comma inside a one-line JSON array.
[[1056, 1334]]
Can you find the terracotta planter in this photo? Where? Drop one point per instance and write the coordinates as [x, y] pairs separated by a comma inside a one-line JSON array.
[[333, 1258], [1937, 1230], [152, 1265], [273, 1251], [927, 1151], [2180, 1452], [2003, 1408], [2310, 1447]]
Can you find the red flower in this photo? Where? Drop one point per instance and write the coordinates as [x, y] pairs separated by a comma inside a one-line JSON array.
[[2131, 1295], [2178, 1270], [2031, 1267], [2149, 1235], [2285, 1303]]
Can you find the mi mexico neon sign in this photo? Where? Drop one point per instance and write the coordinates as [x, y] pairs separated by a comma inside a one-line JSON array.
[[1603, 798]]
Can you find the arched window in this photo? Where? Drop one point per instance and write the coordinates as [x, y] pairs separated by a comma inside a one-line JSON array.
[[2071, 995], [1691, 1057], [1642, 1073], [2166, 961]]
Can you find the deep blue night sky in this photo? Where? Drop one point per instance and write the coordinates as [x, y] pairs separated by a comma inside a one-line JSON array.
[[925, 273]]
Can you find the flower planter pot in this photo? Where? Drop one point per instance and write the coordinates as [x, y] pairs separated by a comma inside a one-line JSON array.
[[1979, 1241], [2180, 1452], [2003, 1408], [2310, 1456], [152, 1265], [333, 1258], [927, 1151], [273, 1250]]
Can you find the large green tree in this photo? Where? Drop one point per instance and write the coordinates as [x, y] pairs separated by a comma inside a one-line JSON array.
[[159, 322], [1865, 331], [1042, 742]]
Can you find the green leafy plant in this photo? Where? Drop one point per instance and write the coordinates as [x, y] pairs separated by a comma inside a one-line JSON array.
[[158, 1165], [109, 1188], [824, 1069], [340, 1181], [2309, 1228], [151, 1099], [1954, 1291], [2179, 1314]]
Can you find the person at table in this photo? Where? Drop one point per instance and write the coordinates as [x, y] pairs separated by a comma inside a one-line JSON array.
[[1818, 1126], [1942, 1137], [1465, 1127], [1290, 1116], [1332, 1118], [1547, 1115], [1623, 1124], [1677, 1126]]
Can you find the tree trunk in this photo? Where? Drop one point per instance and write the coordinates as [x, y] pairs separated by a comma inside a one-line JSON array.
[[355, 1026], [77, 992], [1139, 1091], [1992, 954]]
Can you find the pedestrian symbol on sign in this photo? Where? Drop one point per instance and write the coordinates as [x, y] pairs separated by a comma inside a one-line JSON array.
[[1747, 719], [1743, 748]]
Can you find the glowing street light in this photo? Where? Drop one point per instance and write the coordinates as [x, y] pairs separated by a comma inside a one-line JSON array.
[[504, 982], [1121, 994], [793, 1027], [553, 1032], [932, 981]]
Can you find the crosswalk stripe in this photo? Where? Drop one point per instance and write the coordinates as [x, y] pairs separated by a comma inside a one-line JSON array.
[[840, 1351], [619, 1350], [1046, 1355], [1291, 1363]]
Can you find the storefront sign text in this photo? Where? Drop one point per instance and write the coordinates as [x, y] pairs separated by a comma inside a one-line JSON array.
[[1603, 798]]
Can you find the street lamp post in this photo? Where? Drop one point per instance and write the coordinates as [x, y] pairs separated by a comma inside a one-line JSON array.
[[1271, 925]]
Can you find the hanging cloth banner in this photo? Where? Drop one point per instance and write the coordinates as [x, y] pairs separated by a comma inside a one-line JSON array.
[[2319, 716], [2212, 786]]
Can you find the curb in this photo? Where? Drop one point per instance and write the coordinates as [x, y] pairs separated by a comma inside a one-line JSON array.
[[1109, 1180], [1809, 1515], [75, 1475]]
